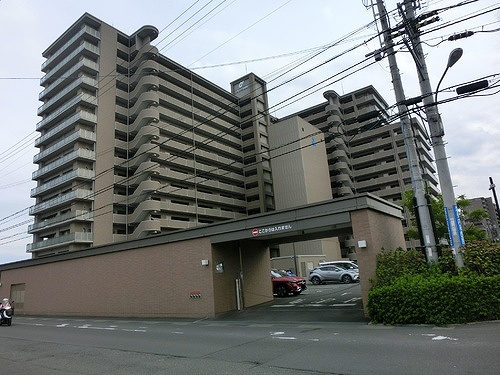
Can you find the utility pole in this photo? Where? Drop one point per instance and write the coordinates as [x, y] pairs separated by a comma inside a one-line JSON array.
[[437, 132], [492, 188], [423, 213]]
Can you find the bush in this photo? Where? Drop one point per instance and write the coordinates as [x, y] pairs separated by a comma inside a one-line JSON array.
[[397, 263], [409, 291], [482, 258], [434, 298]]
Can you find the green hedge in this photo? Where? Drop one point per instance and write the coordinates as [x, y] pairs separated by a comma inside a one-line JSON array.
[[409, 291], [438, 299]]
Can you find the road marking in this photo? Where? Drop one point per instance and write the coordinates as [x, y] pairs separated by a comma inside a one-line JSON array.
[[353, 299]]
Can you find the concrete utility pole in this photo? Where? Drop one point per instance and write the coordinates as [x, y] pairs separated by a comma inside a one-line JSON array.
[[437, 132], [422, 208]]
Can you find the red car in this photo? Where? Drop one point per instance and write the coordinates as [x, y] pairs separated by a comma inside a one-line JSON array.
[[284, 285]]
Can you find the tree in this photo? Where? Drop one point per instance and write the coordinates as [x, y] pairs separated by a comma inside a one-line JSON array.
[[468, 218]]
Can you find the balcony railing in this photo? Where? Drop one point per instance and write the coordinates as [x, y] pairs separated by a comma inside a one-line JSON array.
[[78, 173], [81, 194], [61, 240], [78, 215]]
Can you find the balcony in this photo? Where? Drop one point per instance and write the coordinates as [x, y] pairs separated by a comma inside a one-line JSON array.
[[64, 161], [79, 173], [78, 215], [82, 116], [73, 137], [52, 204], [61, 240]]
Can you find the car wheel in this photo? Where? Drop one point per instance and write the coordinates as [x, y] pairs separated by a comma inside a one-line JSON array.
[[316, 280], [281, 291], [346, 279]]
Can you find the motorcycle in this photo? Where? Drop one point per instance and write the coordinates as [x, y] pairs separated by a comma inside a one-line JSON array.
[[6, 312]]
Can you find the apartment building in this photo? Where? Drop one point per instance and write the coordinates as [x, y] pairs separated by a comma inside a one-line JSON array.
[[132, 144], [366, 152], [489, 224]]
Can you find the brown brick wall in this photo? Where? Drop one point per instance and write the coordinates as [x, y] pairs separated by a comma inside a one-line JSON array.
[[149, 282], [379, 231]]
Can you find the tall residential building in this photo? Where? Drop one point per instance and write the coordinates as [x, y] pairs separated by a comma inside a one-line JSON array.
[[489, 224], [133, 144], [365, 152]]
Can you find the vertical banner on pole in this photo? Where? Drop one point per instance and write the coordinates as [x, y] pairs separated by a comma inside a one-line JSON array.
[[450, 229], [458, 225]]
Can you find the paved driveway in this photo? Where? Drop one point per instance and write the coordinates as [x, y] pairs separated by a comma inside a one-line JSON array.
[[319, 303]]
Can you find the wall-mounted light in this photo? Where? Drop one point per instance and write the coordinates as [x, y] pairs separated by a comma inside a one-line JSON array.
[[204, 262], [362, 244]]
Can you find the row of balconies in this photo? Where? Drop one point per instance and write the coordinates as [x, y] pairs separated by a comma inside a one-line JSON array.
[[83, 65], [85, 82], [55, 183], [63, 162], [63, 127], [67, 109], [85, 32], [66, 141], [86, 49], [381, 182], [145, 209]]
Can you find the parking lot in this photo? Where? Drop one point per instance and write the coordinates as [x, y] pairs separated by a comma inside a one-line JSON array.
[[332, 302]]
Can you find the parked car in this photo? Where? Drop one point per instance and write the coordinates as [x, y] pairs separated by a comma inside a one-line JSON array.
[[346, 264], [323, 274], [284, 285]]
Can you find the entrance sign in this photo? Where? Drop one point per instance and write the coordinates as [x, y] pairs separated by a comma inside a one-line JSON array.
[[271, 230]]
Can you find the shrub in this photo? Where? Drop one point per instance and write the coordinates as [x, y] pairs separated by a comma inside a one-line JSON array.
[[409, 291], [482, 257], [434, 298], [393, 264]]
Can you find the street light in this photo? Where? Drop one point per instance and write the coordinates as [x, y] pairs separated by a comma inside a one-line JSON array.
[[455, 55]]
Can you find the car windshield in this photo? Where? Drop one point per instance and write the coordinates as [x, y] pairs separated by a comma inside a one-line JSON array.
[[277, 273]]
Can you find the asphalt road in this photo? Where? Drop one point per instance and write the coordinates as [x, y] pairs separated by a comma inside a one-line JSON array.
[[318, 303], [251, 342]]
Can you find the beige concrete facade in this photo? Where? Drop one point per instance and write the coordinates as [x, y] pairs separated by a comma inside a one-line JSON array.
[[132, 144]]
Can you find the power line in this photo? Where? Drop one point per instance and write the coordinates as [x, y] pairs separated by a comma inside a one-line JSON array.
[[284, 83]]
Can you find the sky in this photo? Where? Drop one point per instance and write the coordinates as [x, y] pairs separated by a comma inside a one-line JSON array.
[[300, 48]]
